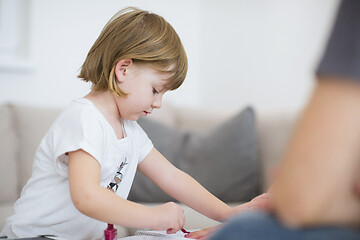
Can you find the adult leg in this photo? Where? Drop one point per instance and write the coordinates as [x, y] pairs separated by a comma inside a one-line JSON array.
[[258, 225]]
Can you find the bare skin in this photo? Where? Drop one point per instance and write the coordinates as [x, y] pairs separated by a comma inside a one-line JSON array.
[[323, 160]]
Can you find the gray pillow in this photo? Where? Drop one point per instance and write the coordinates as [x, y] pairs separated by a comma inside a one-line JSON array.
[[224, 159]]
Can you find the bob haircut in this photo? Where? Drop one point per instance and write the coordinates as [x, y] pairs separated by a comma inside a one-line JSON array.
[[139, 35]]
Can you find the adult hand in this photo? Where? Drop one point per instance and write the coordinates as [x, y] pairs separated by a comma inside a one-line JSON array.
[[261, 202], [202, 234]]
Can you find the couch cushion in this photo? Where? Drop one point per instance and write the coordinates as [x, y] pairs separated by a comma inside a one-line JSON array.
[[32, 124], [6, 210], [222, 159], [8, 156]]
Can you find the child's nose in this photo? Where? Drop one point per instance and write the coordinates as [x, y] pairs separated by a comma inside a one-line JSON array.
[[157, 102]]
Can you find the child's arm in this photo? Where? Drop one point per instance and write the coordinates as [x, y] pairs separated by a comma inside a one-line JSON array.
[[100, 203], [182, 187]]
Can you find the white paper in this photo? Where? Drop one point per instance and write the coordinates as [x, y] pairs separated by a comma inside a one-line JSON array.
[[154, 235]]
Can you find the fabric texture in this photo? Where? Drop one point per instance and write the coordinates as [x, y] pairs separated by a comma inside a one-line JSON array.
[[256, 225], [223, 159], [8, 165], [45, 205], [30, 130], [342, 54]]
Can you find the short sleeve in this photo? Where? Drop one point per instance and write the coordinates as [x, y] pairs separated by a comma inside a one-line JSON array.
[[342, 53], [145, 144], [77, 129]]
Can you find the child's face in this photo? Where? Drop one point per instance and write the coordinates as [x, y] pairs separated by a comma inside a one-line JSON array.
[[145, 88]]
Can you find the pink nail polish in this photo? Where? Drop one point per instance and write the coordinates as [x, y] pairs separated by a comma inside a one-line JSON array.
[[110, 233]]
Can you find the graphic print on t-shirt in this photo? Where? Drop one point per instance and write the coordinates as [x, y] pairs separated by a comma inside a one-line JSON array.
[[113, 186]]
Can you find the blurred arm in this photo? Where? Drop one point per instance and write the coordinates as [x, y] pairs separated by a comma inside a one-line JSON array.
[[316, 182]]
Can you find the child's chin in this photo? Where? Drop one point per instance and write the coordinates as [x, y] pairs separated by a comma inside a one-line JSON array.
[[135, 118]]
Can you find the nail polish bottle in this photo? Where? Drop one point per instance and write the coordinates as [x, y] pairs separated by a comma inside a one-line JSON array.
[[110, 233]]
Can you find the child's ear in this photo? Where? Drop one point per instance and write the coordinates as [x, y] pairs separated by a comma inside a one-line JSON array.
[[121, 68]]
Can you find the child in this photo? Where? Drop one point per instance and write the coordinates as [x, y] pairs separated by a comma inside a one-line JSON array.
[[95, 145]]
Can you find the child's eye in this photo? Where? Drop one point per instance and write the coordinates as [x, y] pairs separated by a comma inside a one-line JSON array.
[[155, 91]]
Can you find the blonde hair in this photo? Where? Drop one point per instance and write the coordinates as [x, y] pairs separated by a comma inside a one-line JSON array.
[[138, 35]]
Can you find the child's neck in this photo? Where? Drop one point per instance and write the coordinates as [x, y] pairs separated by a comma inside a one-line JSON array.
[[105, 103]]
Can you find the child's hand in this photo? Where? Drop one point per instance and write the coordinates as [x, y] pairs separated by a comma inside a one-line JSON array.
[[261, 202], [169, 216]]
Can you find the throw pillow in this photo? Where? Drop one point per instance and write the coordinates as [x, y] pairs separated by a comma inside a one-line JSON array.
[[224, 159]]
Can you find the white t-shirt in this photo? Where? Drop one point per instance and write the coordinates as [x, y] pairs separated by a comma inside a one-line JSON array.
[[45, 205]]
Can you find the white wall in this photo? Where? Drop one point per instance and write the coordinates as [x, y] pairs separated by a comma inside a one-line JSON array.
[[258, 52]]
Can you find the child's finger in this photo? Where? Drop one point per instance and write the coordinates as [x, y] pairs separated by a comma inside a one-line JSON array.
[[171, 231]]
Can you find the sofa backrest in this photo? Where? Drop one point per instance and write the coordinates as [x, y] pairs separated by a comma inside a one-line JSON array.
[[274, 133], [274, 130], [23, 127], [31, 123], [8, 156]]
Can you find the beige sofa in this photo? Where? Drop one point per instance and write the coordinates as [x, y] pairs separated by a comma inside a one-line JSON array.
[[22, 127]]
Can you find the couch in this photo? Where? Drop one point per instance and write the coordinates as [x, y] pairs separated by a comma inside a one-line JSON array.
[[231, 153]]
